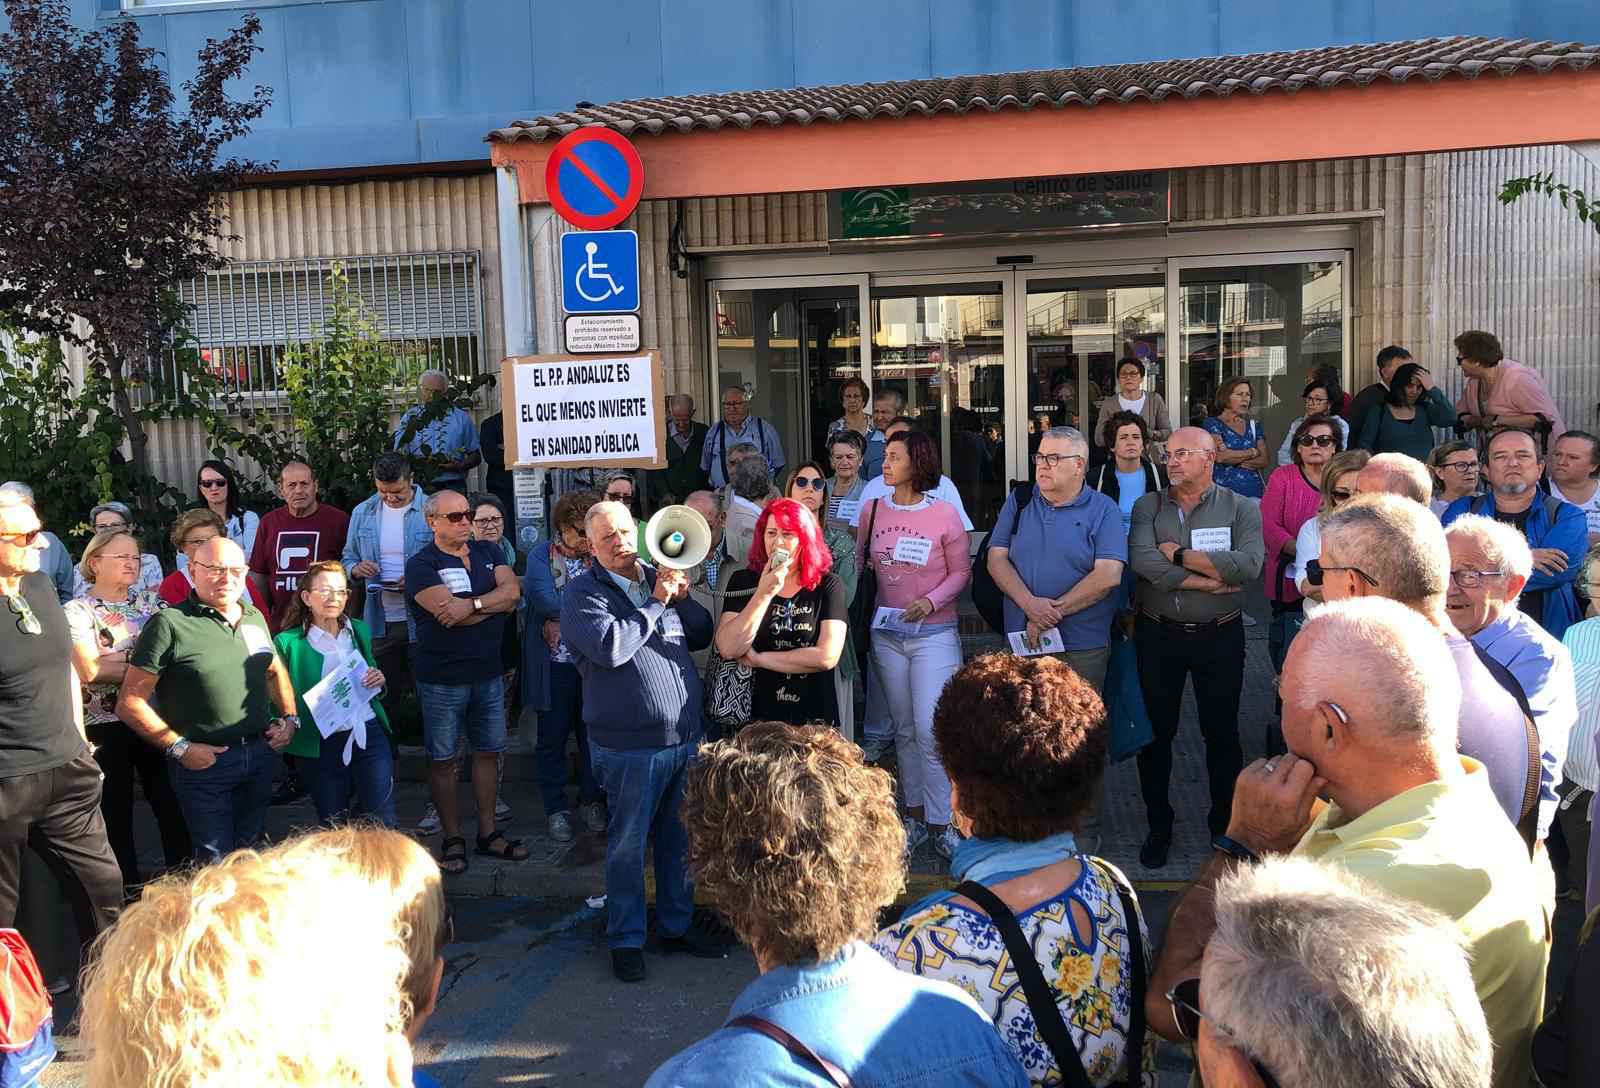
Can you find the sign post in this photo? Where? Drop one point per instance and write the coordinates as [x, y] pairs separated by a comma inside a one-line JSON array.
[[566, 411]]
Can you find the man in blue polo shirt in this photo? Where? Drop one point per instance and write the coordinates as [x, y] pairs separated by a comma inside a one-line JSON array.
[[453, 436], [1060, 561]]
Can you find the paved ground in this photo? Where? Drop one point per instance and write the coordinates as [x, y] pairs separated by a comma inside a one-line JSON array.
[[529, 997]]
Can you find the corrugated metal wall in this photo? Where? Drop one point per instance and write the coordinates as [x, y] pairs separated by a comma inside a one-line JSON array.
[[1528, 272], [408, 215]]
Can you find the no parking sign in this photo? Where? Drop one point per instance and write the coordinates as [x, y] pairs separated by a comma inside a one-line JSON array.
[[594, 178]]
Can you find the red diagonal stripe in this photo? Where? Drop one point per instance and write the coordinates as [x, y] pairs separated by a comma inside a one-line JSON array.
[[594, 179]]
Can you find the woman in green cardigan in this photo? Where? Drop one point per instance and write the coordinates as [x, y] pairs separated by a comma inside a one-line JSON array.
[[318, 639]]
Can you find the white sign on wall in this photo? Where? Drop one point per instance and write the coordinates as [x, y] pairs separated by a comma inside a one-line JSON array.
[[603, 333], [568, 411]]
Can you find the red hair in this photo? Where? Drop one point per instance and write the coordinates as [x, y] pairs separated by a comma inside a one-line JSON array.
[[791, 517]]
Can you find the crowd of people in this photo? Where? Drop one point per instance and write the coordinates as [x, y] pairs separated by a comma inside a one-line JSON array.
[[786, 722]]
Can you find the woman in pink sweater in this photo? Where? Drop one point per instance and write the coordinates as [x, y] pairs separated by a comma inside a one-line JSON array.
[[1293, 495], [918, 547]]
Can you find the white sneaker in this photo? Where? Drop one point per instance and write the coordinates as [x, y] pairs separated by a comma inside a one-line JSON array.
[[502, 811], [429, 824], [916, 834], [561, 827], [945, 845]]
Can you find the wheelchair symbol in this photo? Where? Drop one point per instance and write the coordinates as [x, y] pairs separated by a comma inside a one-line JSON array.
[[595, 272]]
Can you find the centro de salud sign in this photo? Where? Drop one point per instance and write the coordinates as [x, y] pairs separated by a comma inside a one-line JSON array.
[[1057, 202]]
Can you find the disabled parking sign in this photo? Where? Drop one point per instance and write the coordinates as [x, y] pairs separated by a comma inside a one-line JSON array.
[[600, 271]]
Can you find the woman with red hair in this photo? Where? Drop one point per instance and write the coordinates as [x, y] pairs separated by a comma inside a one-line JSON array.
[[785, 617]]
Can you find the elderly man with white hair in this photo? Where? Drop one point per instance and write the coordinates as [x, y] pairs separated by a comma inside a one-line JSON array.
[[631, 630], [55, 561], [1369, 717], [1313, 969], [1387, 546], [453, 436], [1489, 565]]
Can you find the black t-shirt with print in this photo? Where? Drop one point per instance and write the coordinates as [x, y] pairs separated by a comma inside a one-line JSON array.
[[794, 623]]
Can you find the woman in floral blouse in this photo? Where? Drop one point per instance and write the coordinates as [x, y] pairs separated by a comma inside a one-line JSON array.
[[1024, 743], [105, 622]]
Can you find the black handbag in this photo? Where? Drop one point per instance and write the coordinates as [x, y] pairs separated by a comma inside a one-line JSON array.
[[1041, 999], [865, 602]]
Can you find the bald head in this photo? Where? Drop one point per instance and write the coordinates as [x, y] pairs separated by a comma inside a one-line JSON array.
[[1191, 453], [1396, 474], [219, 573], [1396, 541]]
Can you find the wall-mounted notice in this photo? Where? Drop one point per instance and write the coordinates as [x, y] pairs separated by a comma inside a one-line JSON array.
[[568, 411]]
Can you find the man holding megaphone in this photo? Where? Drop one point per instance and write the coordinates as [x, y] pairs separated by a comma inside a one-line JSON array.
[[631, 629]]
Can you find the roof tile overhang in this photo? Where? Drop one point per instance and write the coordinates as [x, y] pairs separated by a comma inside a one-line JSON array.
[[1389, 98]]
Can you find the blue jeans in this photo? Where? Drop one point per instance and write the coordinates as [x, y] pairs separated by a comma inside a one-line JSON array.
[[448, 710], [226, 804], [564, 717], [644, 787], [1285, 624], [370, 774]]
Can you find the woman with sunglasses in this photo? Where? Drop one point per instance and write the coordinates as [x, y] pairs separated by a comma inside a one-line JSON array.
[[1338, 487], [807, 487], [105, 621], [218, 490], [317, 640], [1404, 422], [1455, 470], [785, 617], [1293, 494], [1318, 395]]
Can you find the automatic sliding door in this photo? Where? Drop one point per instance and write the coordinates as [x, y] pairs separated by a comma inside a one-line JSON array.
[[942, 346]]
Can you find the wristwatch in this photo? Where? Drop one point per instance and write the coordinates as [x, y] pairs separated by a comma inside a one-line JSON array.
[[1223, 844], [477, 604], [176, 749], [1177, 556], [292, 719]]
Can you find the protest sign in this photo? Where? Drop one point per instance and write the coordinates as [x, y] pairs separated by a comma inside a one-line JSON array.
[[563, 411]]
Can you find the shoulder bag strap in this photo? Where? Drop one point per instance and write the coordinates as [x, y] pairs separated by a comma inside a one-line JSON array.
[[1041, 999], [793, 1046], [1528, 823], [872, 520], [722, 451], [1141, 981]]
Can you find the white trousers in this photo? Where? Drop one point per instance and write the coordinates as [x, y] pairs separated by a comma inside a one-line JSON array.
[[913, 672]]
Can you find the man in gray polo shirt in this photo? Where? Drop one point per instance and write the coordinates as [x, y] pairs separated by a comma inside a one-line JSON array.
[[1193, 545]]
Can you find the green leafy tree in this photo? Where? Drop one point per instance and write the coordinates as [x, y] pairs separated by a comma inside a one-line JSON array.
[[1586, 208]]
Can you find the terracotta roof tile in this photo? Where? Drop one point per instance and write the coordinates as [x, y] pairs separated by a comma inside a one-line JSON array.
[[1257, 73]]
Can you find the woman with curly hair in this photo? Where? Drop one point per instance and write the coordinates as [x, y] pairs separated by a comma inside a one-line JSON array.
[[1024, 742], [797, 843], [785, 617]]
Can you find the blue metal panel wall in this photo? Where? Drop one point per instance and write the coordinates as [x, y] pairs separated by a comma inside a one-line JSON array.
[[369, 82]]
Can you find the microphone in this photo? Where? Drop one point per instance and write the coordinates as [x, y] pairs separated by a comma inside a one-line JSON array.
[[780, 558]]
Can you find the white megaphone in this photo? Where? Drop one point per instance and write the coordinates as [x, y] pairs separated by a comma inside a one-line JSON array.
[[678, 537]]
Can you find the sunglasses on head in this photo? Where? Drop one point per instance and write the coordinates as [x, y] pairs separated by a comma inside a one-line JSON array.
[[1185, 1001], [1315, 440]]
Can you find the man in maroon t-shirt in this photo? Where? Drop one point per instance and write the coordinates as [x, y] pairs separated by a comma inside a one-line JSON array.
[[293, 537]]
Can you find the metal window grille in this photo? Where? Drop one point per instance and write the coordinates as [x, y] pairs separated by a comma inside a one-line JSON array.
[[245, 318]]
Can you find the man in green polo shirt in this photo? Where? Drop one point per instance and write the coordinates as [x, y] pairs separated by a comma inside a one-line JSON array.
[[209, 664], [1371, 702]]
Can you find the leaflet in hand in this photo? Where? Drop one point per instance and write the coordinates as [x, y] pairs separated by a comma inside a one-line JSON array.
[[893, 621], [339, 700], [1049, 643]]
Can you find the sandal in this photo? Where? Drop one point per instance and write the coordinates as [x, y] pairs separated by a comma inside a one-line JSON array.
[[453, 856], [509, 849]]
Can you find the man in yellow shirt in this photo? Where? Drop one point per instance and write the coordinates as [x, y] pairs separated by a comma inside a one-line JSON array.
[[1370, 708]]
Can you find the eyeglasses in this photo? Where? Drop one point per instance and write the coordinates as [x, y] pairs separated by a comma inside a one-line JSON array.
[[27, 622], [815, 483], [1315, 572], [1461, 466], [1185, 1001], [1184, 455], [1472, 579], [214, 481], [1323, 440], [454, 517], [23, 540], [328, 593], [218, 570], [1051, 460], [487, 522], [111, 526]]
